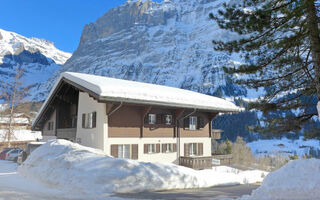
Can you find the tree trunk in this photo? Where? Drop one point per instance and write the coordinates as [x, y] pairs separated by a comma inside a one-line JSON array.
[[12, 112], [312, 23]]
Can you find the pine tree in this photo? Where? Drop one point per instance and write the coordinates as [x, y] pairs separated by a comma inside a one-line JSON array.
[[280, 46]]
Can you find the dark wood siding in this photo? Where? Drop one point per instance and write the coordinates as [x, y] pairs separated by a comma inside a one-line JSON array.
[[186, 149], [164, 148], [200, 149], [125, 122], [114, 150], [128, 120], [134, 151], [174, 147], [202, 131], [157, 148], [145, 148]]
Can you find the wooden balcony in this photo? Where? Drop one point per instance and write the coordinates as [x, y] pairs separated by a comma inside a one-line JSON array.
[[66, 133], [196, 162], [224, 159], [216, 134]]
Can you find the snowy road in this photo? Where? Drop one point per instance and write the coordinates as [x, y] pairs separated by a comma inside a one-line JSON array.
[[213, 193]]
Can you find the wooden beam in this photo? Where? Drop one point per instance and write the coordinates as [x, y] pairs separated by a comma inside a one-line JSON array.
[[211, 117], [178, 113], [109, 107], [146, 110]]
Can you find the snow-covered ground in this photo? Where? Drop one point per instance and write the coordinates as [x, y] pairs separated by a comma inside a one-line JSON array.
[[283, 147], [21, 135], [89, 172], [62, 170], [14, 187], [297, 180]]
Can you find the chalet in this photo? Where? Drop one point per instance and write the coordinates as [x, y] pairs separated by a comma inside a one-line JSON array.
[[128, 119], [20, 121]]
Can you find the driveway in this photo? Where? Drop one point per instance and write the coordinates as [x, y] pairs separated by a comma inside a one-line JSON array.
[[220, 192]]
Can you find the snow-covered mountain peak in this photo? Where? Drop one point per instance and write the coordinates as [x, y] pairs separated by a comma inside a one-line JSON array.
[[13, 44], [38, 57]]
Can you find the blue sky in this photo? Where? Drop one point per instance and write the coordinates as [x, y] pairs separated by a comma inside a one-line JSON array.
[[60, 21]]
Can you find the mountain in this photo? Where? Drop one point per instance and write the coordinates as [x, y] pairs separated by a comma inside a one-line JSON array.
[[167, 43], [39, 57]]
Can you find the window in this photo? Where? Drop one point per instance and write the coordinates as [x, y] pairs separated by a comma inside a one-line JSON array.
[[168, 119], [193, 149], [169, 148], [192, 123], [151, 148], [124, 151], [128, 151], [89, 120], [50, 126], [152, 118]]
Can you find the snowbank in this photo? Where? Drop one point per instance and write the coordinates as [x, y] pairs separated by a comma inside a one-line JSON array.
[[297, 180], [85, 170]]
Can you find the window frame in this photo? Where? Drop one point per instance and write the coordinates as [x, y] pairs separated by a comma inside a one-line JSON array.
[[123, 152], [170, 149], [171, 119], [193, 149], [89, 119], [152, 149], [152, 118], [193, 126]]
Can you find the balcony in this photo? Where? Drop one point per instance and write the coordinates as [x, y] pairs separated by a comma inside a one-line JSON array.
[[216, 134], [66, 133], [196, 162]]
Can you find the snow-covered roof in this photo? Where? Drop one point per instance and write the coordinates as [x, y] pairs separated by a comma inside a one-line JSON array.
[[128, 91], [112, 89], [16, 120]]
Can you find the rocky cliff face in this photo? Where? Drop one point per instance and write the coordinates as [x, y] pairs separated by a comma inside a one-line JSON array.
[[40, 59], [166, 43]]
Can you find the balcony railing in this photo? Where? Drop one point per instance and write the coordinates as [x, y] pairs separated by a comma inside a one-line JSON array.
[[216, 134], [196, 162], [66, 133]]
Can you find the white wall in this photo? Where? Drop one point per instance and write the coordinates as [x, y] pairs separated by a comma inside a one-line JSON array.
[[160, 157], [95, 137], [98, 137]]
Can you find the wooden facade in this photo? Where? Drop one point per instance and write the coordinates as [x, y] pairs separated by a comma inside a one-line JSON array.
[[132, 121]]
